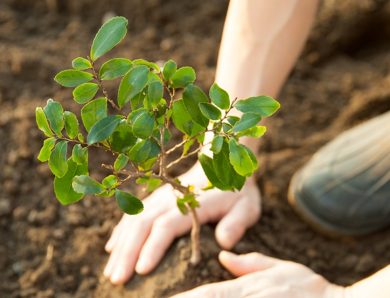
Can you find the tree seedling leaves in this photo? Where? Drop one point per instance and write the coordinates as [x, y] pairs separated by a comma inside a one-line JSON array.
[[208, 168], [216, 144], [71, 124], [149, 64], [142, 123], [192, 96], [81, 63], [254, 132], [265, 106], [155, 93], [42, 123], [86, 185], [240, 159], [108, 36], [183, 120], [219, 97], [72, 78], [110, 182], [85, 92], [128, 203], [120, 162], [57, 161], [80, 154], [182, 77], [210, 111], [45, 151], [114, 68], [102, 129], [63, 186], [188, 200], [247, 120], [54, 113], [93, 111], [151, 183], [144, 150], [122, 139], [169, 69], [132, 84]]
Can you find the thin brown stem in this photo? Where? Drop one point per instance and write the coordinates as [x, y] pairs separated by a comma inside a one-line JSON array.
[[184, 157], [195, 236]]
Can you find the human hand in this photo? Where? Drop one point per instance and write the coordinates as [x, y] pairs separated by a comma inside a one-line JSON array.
[[139, 242], [262, 276]]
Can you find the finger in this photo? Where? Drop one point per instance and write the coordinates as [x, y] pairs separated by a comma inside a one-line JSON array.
[[226, 289], [113, 238], [241, 216], [165, 229], [248, 263], [120, 266]]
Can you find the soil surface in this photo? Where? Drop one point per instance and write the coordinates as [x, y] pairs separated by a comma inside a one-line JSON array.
[[47, 250]]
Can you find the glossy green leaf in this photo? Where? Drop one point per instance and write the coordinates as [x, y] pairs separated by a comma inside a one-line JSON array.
[[210, 111], [85, 92], [57, 161], [128, 203], [254, 132], [108, 36], [183, 120], [142, 123], [42, 123], [55, 114], [80, 154], [45, 151], [247, 120], [114, 68], [262, 105], [86, 185], [216, 144], [155, 93], [122, 139], [120, 162], [187, 200], [72, 78], [182, 77], [63, 186], [169, 69], [208, 168], [192, 96], [132, 84], [240, 159], [110, 181], [71, 124], [81, 63], [93, 111], [151, 183], [144, 150], [219, 97], [149, 64], [232, 120], [102, 129]]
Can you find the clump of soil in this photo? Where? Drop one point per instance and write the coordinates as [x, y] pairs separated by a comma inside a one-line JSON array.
[[54, 251]]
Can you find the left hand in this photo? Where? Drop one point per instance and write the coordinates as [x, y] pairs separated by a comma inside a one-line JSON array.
[[262, 276]]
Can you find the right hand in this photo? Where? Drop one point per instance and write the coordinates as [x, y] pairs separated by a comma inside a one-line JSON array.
[[139, 242]]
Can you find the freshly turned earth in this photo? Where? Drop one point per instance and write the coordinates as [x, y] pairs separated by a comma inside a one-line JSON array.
[[341, 80]]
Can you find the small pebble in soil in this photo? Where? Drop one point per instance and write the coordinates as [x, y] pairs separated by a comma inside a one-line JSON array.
[[5, 207]]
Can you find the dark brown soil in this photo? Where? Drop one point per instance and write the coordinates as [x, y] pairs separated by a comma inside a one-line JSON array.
[[341, 80]]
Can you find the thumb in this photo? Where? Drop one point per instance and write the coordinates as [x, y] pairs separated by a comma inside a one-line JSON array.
[[247, 263]]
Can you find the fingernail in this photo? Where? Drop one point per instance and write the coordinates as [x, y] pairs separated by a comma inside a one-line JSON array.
[[142, 266], [116, 276]]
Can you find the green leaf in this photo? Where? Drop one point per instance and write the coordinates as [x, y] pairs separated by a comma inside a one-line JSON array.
[[81, 63], [120, 162], [155, 93], [55, 114], [210, 111], [80, 154], [144, 150], [188, 199], [102, 129], [108, 36], [192, 96], [86, 185], [216, 144], [45, 151], [254, 132], [93, 111], [128, 203], [132, 84], [85, 92], [169, 69], [182, 77], [110, 181], [149, 64], [262, 105], [208, 168], [42, 123], [72, 78], [151, 183], [183, 120], [240, 159], [122, 139], [57, 160], [247, 120], [71, 124], [219, 97], [114, 68], [63, 186], [142, 123], [232, 120]]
